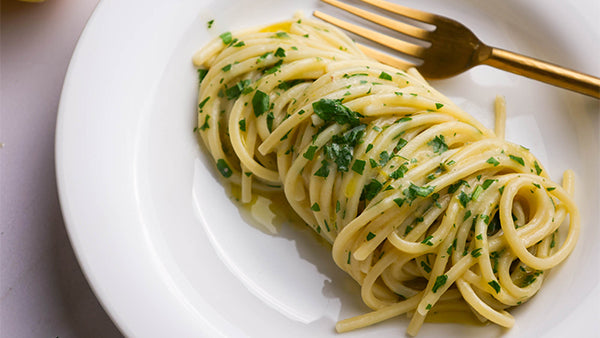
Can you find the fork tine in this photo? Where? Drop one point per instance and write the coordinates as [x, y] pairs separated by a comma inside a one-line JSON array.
[[388, 41], [385, 58], [404, 11], [398, 26]]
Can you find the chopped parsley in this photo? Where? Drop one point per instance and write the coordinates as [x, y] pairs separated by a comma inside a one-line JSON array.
[[205, 125], [370, 236], [495, 285], [286, 135], [239, 88], [398, 173], [223, 168], [263, 57], [463, 199], [274, 68], [427, 240], [486, 184], [538, 170], [289, 84], [210, 23], [260, 103], [371, 190], [226, 37], [341, 148], [270, 119], [476, 193], [438, 105], [201, 74], [385, 76], [323, 171], [439, 282], [281, 35], [401, 143], [439, 144], [358, 166], [242, 124], [414, 190], [201, 105], [347, 76], [476, 253], [333, 110], [310, 152], [493, 161], [426, 266], [528, 280], [315, 207], [517, 159], [468, 214], [384, 157], [280, 52]]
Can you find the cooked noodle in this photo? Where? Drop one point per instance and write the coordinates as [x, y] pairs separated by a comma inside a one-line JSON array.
[[425, 207]]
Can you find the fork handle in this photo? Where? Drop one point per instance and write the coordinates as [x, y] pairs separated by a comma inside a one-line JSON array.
[[543, 71]]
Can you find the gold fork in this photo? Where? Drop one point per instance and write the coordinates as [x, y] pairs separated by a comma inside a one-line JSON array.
[[454, 48]]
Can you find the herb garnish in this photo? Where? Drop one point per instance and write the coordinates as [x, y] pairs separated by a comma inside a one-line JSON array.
[[310, 153], [439, 144], [371, 190], [517, 159], [495, 285], [439, 282], [385, 76], [201, 74], [223, 168], [260, 103], [493, 161], [341, 148], [333, 110], [323, 171], [226, 37], [358, 166]]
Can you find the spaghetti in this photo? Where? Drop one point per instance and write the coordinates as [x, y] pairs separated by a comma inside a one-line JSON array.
[[427, 209]]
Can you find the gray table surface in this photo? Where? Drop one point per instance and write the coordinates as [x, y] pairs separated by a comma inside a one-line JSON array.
[[43, 292]]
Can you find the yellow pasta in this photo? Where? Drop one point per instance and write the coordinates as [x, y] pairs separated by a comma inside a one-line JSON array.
[[427, 209]]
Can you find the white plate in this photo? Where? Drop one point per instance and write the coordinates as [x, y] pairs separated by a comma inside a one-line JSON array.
[[169, 255]]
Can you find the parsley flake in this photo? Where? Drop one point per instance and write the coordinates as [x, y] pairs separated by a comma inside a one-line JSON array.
[[385, 76], [223, 168], [439, 144], [495, 285], [439, 282], [260, 103], [310, 153], [226, 37], [358, 166], [333, 110], [517, 159]]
